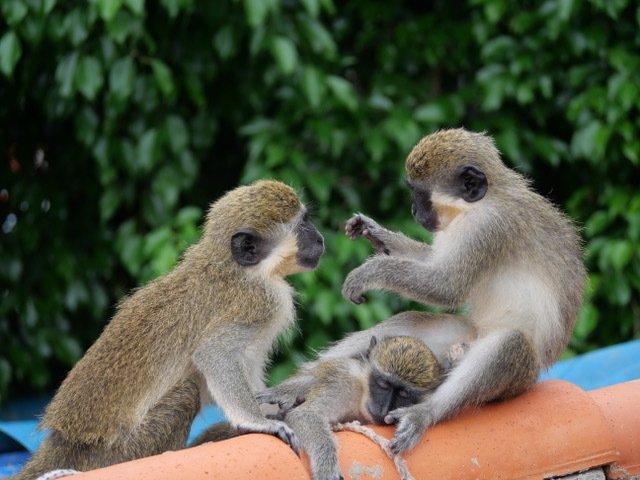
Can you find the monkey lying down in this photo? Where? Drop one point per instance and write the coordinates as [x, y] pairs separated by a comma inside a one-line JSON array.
[[393, 372], [201, 332]]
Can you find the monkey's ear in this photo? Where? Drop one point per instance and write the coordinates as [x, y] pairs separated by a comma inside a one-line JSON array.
[[247, 247], [473, 183], [372, 344]]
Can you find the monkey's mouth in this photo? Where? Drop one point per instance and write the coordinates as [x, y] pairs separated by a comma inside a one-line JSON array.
[[310, 260], [376, 418]]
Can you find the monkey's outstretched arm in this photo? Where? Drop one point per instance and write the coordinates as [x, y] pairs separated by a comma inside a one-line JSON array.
[[385, 241], [428, 283], [499, 365], [223, 369]]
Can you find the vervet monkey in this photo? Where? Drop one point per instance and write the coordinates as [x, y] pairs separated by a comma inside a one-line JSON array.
[[391, 373], [204, 330], [499, 248]]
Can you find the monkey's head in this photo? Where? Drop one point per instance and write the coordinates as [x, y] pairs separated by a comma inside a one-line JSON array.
[[448, 172], [265, 225], [403, 369]]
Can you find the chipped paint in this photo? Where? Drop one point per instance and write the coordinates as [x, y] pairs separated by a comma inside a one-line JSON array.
[[357, 470]]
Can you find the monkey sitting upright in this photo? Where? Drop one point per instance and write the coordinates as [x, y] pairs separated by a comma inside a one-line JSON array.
[[203, 330], [392, 373], [500, 248]]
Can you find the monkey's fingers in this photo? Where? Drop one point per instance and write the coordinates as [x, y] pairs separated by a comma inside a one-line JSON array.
[[411, 424], [276, 428], [268, 396], [354, 226]]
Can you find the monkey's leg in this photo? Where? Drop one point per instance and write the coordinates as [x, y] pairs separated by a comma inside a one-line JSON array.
[[317, 440], [383, 240], [499, 365], [166, 427]]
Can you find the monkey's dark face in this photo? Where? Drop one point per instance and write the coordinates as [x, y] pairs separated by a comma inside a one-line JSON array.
[[310, 243], [422, 206], [386, 393], [467, 182], [249, 247]]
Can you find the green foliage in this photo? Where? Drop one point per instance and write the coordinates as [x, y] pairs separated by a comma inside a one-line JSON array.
[[123, 119]]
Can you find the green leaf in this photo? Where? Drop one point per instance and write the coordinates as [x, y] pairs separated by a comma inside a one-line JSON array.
[[14, 11], [620, 253], [174, 7], [177, 133], [89, 77], [65, 74], [136, 6], [591, 140], [188, 216], [107, 9], [109, 203], [47, 6], [121, 78], [163, 77], [67, 349], [10, 52], [343, 92], [313, 86], [312, 7], [587, 321], [129, 246], [597, 223], [256, 11], [147, 150], [224, 43], [285, 54], [431, 113]]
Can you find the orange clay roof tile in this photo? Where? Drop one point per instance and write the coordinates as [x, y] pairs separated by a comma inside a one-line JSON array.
[[554, 429]]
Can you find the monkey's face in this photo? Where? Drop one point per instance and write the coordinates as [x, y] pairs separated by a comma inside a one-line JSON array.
[[435, 202], [387, 392], [422, 207], [284, 250], [310, 243]]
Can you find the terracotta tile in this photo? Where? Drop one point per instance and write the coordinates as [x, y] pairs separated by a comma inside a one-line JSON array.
[[554, 429], [620, 404]]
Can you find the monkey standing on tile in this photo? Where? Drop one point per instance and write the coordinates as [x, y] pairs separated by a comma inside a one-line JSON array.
[[204, 330], [499, 248]]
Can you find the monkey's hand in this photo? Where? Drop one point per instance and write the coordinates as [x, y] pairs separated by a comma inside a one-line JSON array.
[[286, 400], [411, 423], [364, 277], [273, 427], [361, 225]]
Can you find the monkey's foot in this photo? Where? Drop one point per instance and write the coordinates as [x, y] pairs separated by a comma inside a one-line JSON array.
[[411, 423], [275, 428]]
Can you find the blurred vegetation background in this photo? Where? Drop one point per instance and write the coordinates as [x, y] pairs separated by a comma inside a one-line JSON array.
[[121, 120]]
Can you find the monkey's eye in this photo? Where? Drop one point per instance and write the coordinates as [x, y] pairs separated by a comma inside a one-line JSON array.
[[382, 383], [402, 393]]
